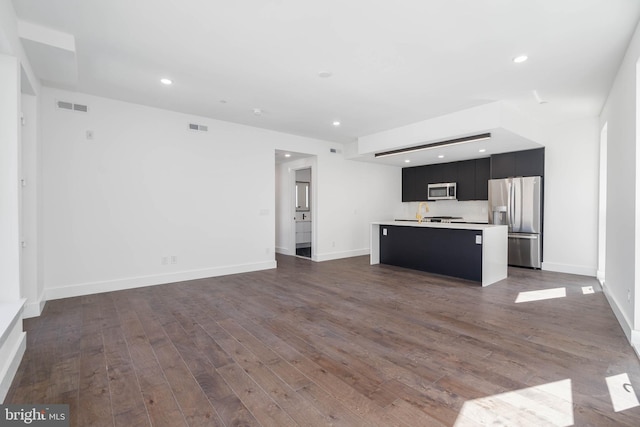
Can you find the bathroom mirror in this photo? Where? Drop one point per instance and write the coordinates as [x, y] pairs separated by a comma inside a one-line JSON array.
[[303, 200]]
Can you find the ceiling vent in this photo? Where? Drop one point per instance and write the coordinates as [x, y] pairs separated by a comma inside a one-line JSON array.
[[70, 106], [196, 127]]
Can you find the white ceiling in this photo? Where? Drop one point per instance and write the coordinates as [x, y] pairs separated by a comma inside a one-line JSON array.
[[392, 63]]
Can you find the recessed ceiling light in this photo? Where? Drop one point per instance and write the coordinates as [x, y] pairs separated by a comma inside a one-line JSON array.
[[324, 74], [482, 150], [223, 101], [519, 59], [257, 111], [407, 161], [441, 156], [287, 155], [166, 81], [336, 123]]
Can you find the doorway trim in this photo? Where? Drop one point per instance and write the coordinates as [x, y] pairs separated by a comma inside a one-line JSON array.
[[602, 207]]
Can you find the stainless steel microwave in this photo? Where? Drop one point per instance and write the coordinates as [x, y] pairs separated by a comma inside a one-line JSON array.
[[442, 191]]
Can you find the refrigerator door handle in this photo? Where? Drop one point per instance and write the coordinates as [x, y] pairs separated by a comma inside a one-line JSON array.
[[511, 204], [517, 204], [523, 236]]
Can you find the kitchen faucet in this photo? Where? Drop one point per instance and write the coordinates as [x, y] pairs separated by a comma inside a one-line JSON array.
[[418, 214]]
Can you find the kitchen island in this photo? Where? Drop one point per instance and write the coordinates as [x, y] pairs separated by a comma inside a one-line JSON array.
[[475, 252]]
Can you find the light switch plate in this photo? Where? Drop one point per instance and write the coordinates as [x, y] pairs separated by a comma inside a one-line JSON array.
[[479, 239], [384, 231]]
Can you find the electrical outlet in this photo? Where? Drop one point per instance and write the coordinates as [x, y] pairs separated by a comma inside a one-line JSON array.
[[628, 295], [164, 260], [174, 259]]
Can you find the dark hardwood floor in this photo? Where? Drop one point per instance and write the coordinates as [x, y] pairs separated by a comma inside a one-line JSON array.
[[335, 343]]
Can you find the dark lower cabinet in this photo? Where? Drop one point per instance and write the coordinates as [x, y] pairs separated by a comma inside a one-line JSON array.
[[451, 252]]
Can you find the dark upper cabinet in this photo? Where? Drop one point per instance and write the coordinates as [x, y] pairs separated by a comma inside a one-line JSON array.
[[466, 174], [518, 163], [443, 172], [530, 162], [483, 170], [503, 165], [472, 176], [408, 184], [466, 187]]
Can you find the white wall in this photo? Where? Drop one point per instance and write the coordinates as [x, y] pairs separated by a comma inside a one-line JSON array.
[[145, 188], [351, 195], [9, 174], [346, 197], [622, 256], [13, 67], [31, 268], [571, 198]]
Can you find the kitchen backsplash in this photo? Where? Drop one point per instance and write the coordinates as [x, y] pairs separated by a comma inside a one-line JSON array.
[[473, 211]]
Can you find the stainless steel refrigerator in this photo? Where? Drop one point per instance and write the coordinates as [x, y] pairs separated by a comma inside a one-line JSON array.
[[517, 202]]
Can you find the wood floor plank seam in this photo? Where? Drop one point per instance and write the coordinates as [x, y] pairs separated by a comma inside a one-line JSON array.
[[337, 343]]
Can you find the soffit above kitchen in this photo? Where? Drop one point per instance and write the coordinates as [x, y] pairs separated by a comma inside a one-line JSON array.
[[472, 133], [299, 66]]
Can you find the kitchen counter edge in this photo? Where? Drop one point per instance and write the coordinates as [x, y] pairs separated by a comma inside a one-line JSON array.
[[450, 225]]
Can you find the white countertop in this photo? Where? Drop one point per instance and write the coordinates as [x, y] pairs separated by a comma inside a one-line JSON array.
[[451, 225]]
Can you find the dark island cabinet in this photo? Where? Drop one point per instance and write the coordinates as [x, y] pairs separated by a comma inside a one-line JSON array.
[[518, 163], [445, 251], [471, 177]]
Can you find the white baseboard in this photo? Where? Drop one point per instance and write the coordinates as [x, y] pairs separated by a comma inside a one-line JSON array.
[[34, 309], [338, 255], [13, 344], [622, 319], [635, 341], [283, 251], [568, 268], [159, 279]]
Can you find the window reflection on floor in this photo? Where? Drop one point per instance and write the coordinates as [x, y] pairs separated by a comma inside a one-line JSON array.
[[541, 295], [621, 391], [544, 405]]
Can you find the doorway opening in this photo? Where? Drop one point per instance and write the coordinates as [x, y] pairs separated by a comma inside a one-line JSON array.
[[302, 215], [296, 204]]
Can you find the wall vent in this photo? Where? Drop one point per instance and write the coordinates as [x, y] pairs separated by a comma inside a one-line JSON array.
[[65, 105], [197, 127]]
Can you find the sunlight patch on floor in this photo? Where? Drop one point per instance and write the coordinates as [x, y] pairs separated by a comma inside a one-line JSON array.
[[541, 295], [548, 404], [621, 391]]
